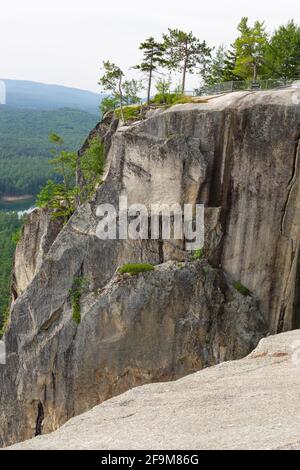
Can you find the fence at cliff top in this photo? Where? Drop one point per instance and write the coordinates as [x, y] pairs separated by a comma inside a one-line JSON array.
[[260, 85]]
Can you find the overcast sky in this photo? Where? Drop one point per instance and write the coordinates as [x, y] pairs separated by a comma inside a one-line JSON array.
[[65, 41]]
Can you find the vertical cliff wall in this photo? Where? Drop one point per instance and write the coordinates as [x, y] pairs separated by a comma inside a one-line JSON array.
[[237, 154]]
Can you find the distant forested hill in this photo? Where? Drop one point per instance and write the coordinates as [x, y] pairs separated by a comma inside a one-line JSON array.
[[24, 145], [33, 95]]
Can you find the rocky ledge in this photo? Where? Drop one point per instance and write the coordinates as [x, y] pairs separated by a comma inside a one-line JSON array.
[[251, 404]]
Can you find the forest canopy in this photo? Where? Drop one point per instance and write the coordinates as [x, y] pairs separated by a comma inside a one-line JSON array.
[[25, 147]]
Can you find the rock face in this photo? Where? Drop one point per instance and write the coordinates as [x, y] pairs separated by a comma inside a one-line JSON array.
[[248, 404], [237, 154], [37, 238], [157, 326]]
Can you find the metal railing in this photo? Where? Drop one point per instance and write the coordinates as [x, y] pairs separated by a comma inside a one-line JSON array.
[[260, 85]]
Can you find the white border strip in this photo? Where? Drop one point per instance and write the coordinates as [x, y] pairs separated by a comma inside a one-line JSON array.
[[2, 92], [2, 353]]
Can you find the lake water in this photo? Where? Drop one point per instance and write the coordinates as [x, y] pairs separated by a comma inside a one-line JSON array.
[[17, 206]]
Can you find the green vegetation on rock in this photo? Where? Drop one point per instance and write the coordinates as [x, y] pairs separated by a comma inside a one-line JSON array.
[[198, 254], [10, 226], [62, 197], [80, 286], [135, 268], [130, 113], [241, 289]]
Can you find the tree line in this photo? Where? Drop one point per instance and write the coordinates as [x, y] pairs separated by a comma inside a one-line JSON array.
[[24, 147], [255, 54]]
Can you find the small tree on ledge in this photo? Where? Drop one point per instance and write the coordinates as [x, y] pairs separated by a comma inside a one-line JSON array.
[[153, 58], [111, 81]]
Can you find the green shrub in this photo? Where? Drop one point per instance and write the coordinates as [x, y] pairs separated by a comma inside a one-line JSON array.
[[80, 285], [241, 289], [76, 310], [108, 104], [131, 113], [53, 196], [184, 99], [135, 269], [171, 99], [92, 161], [198, 254], [5, 319], [16, 237], [62, 197], [166, 98], [91, 164]]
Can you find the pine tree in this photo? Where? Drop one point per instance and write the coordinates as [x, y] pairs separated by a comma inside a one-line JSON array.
[[215, 71], [153, 58], [230, 65], [250, 49], [185, 53], [283, 52]]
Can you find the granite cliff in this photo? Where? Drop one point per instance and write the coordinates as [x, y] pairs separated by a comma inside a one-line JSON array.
[[239, 156]]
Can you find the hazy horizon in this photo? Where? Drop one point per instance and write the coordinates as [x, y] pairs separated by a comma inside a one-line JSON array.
[[5, 79], [64, 43]]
